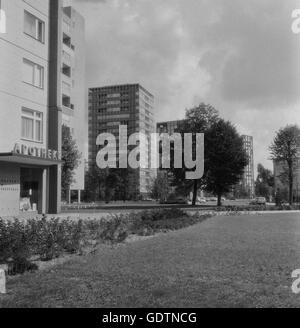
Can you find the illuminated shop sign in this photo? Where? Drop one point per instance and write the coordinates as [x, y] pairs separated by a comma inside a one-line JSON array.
[[37, 152]]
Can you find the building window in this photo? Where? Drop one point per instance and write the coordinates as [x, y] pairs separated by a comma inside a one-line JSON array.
[[33, 73], [34, 27], [32, 125], [66, 101], [66, 70], [67, 40]]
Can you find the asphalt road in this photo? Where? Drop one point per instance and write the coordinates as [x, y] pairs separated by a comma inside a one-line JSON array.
[[226, 261]]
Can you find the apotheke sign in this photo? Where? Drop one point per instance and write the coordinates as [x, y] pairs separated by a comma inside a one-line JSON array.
[[37, 152]]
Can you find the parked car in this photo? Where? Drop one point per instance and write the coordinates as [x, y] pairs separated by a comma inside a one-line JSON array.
[[213, 199], [149, 199], [173, 199], [201, 200], [258, 201]]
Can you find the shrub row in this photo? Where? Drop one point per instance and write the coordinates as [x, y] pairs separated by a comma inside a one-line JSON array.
[[46, 239], [249, 208]]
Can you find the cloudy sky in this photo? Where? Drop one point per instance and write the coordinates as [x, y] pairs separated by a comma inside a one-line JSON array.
[[239, 56]]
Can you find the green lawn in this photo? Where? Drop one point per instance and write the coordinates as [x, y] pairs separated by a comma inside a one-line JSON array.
[[238, 261]]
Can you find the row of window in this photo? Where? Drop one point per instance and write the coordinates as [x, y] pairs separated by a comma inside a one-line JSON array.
[[32, 121], [35, 28], [32, 72]]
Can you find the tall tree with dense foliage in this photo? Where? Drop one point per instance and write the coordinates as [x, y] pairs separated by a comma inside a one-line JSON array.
[[107, 184], [198, 120], [284, 149], [264, 184], [94, 184], [70, 160], [160, 188], [225, 158]]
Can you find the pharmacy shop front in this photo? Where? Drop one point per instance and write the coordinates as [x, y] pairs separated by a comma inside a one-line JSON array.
[[25, 180]]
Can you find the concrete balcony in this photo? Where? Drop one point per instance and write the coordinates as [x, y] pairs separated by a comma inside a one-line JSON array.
[[66, 57], [66, 26], [66, 88]]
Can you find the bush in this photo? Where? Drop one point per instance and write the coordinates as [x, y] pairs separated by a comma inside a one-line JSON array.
[[248, 208], [149, 222]]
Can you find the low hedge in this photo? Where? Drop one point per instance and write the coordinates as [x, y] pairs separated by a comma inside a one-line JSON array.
[[45, 239], [254, 208]]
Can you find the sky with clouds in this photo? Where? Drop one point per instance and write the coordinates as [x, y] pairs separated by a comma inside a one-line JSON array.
[[239, 56]]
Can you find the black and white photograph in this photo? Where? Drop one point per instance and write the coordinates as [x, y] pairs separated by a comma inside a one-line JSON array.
[[149, 157]]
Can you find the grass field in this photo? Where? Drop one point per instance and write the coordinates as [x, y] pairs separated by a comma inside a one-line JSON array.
[[226, 261]]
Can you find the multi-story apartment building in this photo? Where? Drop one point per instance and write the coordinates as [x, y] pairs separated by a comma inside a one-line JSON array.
[[74, 93], [33, 91], [246, 186], [130, 105], [30, 107]]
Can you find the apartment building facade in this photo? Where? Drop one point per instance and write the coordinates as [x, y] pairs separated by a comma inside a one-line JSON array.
[[74, 92], [130, 105], [248, 175], [31, 106], [246, 186]]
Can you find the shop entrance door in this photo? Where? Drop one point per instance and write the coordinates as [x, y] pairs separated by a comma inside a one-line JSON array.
[[31, 189]]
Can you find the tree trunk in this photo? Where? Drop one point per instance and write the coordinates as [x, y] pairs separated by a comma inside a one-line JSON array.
[[290, 184], [219, 199], [69, 196], [195, 191]]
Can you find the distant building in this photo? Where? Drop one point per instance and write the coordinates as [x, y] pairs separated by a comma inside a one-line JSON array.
[[246, 186], [74, 92], [168, 127], [130, 105]]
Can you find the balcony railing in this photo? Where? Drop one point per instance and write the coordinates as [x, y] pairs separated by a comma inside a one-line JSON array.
[[66, 57], [66, 88], [66, 26]]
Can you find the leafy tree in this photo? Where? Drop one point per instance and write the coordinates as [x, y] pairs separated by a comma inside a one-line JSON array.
[[125, 189], [161, 188], [94, 184], [264, 184], [70, 159], [198, 120], [107, 184], [284, 149], [225, 158]]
